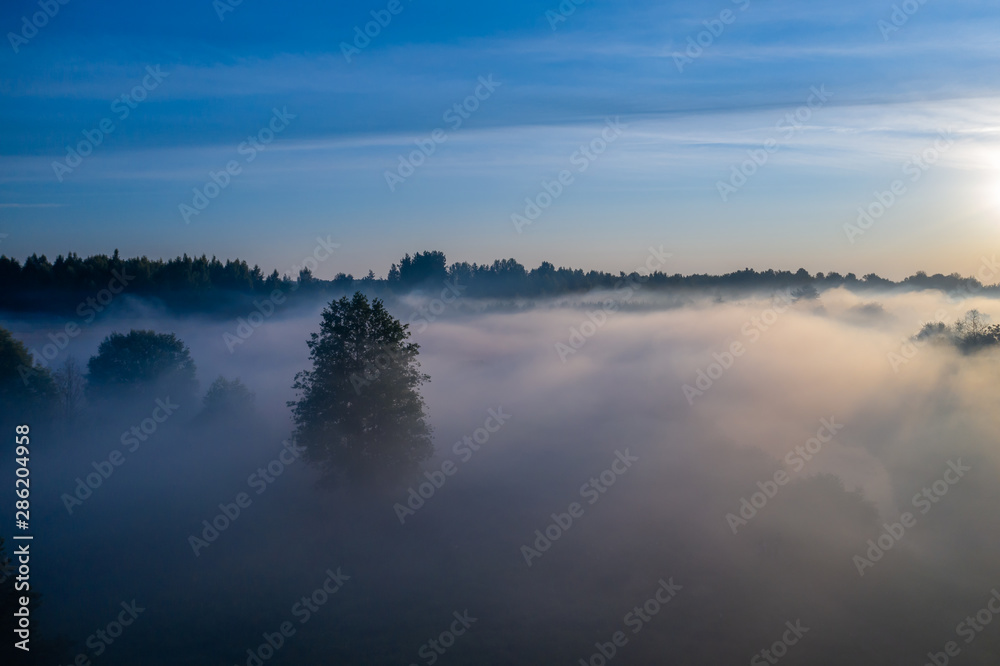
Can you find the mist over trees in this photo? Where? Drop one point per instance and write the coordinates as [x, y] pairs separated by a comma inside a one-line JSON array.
[[970, 334], [26, 387], [71, 385], [133, 366], [359, 414], [202, 284], [228, 396], [141, 362], [473, 530]]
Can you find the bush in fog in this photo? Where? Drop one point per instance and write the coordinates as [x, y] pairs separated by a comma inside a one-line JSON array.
[[228, 396], [973, 332], [141, 363], [26, 388], [359, 410], [970, 334], [934, 331]]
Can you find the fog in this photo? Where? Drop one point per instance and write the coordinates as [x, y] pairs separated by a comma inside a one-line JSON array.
[[821, 407]]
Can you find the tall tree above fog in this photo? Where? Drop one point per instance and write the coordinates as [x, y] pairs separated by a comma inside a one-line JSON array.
[[141, 363], [359, 411]]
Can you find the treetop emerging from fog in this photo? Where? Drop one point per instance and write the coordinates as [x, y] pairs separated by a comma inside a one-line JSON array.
[[359, 411], [139, 360]]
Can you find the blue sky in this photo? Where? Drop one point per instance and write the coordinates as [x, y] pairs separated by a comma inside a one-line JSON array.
[[888, 95]]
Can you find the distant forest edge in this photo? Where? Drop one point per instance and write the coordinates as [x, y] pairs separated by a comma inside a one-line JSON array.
[[203, 284]]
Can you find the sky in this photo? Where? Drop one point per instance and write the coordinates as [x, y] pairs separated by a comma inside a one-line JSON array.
[[733, 133]]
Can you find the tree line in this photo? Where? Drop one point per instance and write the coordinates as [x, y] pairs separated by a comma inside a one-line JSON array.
[[202, 283]]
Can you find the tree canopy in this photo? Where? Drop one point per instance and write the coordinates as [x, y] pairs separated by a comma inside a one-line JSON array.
[[422, 268], [141, 362], [359, 411]]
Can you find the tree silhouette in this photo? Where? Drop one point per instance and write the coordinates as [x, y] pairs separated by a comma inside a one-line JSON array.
[[422, 268], [26, 388], [360, 413], [70, 387], [141, 363], [970, 333], [189, 283], [974, 332]]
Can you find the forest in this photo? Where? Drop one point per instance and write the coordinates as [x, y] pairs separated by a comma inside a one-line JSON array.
[[200, 284]]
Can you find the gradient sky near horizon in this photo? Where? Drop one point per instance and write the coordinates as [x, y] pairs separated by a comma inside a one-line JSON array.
[[891, 95]]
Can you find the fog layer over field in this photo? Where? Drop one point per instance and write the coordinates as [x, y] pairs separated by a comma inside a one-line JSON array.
[[590, 421]]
